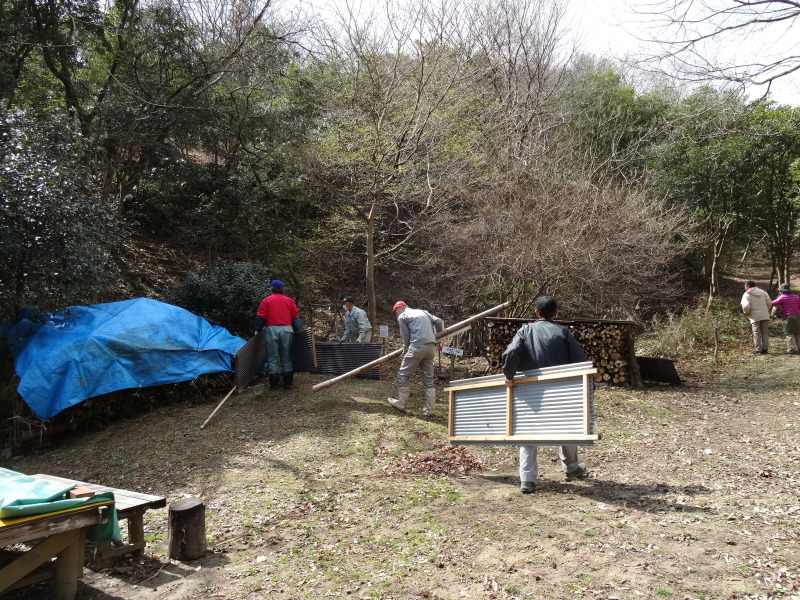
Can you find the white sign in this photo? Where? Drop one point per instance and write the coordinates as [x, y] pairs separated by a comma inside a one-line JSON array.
[[383, 331], [455, 351]]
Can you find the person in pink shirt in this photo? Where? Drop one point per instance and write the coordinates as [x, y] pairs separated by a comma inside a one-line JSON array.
[[788, 303]]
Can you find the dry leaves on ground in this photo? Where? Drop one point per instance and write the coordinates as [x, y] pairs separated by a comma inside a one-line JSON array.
[[446, 460]]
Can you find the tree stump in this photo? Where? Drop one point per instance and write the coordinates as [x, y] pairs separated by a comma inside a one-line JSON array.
[[187, 529]]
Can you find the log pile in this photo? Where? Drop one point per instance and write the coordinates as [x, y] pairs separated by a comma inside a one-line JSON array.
[[608, 344]]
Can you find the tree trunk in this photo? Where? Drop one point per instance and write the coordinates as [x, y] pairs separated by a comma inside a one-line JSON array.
[[372, 309], [713, 275]]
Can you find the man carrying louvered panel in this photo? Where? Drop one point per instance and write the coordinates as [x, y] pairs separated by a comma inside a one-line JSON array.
[[535, 346]]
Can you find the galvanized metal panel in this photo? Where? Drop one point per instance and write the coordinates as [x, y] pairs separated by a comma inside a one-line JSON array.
[[249, 359], [303, 351], [480, 412], [559, 370], [549, 409]]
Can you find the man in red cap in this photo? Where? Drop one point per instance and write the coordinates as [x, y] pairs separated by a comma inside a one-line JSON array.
[[418, 329]]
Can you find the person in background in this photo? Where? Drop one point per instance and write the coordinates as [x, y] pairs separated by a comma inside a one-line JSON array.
[[279, 314], [418, 329], [756, 305], [357, 327], [535, 346], [788, 304]]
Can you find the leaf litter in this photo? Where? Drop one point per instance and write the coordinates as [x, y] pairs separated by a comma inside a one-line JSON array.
[[453, 461]]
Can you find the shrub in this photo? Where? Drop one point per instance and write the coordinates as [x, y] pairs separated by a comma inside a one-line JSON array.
[[694, 332], [227, 293]]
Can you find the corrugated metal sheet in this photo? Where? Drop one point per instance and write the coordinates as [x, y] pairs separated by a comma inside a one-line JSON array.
[[554, 404], [337, 359], [523, 320], [249, 359], [480, 412], [303, 352], [560, 370], [548, 407]]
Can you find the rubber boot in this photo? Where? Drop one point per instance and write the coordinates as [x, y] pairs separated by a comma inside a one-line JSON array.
[[400, 402], [274, 380], [430, 401], [287, 380]]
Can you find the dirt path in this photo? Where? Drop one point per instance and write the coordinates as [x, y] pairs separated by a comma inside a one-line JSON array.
[[694, 493]]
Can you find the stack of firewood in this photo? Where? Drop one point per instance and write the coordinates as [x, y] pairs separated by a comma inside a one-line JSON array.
[[500, 335], [607, 345]]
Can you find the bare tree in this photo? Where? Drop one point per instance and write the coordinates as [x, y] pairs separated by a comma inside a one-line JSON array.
[[697, 37], [604, 251], [524, 55], [383, 138]]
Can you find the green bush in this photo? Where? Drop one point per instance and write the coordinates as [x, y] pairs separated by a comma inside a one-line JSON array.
[[695, 332], [227, 293]]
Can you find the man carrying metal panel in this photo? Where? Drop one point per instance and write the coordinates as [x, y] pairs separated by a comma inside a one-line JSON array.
[[418, 329], [538, 345]]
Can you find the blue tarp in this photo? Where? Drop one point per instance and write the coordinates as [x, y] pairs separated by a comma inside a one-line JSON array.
[[92, 350]]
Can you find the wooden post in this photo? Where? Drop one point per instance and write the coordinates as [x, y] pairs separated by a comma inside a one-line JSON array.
[[69, 565], [187, 529]]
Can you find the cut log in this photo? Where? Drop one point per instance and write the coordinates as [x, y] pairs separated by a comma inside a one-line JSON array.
[[187, 529]]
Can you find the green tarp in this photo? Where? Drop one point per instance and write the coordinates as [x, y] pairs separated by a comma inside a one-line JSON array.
[[24, 496]]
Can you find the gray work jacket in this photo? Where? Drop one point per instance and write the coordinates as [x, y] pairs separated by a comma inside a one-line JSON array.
[[418, 327], [538, 345], [356, 324]]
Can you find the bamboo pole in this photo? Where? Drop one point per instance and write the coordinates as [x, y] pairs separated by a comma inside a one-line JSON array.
[[218, 407], [392, 355]]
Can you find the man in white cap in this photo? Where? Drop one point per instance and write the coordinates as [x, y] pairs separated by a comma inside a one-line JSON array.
[[756, 304], [418, 329]]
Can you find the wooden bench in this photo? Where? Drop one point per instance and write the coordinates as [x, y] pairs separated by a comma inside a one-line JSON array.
[[63, 536], [131, 506]]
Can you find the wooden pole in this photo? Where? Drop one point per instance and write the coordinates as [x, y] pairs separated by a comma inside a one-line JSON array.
[[218, 407], [392, 355]]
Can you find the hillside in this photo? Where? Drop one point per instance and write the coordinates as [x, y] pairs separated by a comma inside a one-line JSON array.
[[694, 493]]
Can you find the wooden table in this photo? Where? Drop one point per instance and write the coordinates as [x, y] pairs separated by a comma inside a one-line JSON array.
[[64, 534], [131, 506]]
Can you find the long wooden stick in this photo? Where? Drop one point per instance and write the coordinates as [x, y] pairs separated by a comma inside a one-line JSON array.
[[218, 407], [392, 355]]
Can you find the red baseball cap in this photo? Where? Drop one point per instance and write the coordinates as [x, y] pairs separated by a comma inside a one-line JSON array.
[[398, 304]]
